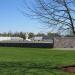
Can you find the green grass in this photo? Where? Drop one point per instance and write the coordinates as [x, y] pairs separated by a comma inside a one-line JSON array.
[[34, 61]]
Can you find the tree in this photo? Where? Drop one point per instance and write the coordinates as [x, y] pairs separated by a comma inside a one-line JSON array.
[[57, 14], [4, 34], [16, 34], [31, 35], [9, 33], [40, 34], [52, 35], [22, 35]]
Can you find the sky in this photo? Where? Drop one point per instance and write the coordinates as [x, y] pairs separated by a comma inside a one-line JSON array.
[[13, 20]]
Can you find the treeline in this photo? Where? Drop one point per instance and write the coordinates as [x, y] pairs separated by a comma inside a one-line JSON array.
[[23, 34]]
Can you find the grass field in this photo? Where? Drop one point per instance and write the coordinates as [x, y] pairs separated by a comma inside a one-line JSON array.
[[34, 61]]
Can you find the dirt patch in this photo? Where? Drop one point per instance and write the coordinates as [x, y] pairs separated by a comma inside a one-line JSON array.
[[70, 68]]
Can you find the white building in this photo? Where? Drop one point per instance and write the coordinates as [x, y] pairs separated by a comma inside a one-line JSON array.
[[37, 38], [10, 38], [42, 39]]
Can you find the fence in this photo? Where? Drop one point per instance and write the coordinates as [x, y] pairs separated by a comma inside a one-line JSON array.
[[29, 45]]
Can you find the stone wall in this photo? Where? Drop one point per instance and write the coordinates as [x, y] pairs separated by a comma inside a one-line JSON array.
[[64, 42]]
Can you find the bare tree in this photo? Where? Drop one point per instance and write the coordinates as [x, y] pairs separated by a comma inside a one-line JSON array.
[[57, 14]]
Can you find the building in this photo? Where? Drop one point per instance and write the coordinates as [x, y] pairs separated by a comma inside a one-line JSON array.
[[37, 38], [10, 38], [42, 39]]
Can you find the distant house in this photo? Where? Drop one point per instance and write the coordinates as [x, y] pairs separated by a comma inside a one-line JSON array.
[[16, 38], [10, 38], [42, 39], [37, 38]]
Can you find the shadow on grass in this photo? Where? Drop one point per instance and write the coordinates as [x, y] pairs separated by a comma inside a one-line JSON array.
[[29, 68], [26, 68]]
